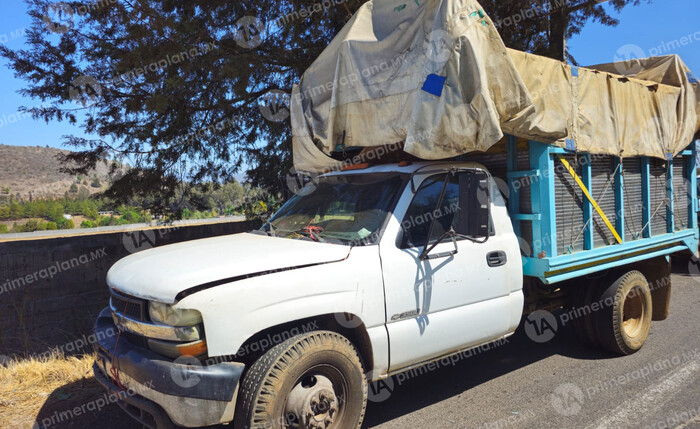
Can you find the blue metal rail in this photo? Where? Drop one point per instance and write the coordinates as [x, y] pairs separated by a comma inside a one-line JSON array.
[[551, 267]]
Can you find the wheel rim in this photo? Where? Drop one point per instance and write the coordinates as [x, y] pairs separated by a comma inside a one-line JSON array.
[[633, 312], [315, 401]]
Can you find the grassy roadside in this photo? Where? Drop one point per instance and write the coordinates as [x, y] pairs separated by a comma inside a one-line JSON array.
[[55, 392]]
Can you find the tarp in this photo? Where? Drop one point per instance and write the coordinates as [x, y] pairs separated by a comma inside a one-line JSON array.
[[641, 107], [432, 74], [667, 70], [435, 76]]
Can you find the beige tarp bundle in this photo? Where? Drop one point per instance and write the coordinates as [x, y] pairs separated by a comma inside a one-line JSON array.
[[435, 75], [365, 89], [640, 107]]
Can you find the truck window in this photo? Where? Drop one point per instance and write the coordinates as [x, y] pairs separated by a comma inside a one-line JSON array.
[[454, 212], [341, 209]]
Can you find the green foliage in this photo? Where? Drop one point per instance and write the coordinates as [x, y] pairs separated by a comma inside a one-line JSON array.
[[256, 211], [73, 189], [14, 209], [198, 202], [96, 183], [3, 228], [66, 224]]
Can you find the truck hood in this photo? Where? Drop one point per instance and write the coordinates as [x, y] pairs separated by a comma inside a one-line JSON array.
[[160, 274]]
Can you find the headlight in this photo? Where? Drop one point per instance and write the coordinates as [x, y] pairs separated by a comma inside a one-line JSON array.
[[167, 314]]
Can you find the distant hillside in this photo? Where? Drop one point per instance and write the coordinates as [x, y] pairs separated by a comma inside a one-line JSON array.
[[26, 170]]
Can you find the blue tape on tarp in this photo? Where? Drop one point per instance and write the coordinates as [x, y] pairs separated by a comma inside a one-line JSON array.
[[574, 71], [434, 84], [570, 145], [692, 78]]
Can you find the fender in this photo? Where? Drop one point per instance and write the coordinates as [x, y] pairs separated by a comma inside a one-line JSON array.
[[234, 312]]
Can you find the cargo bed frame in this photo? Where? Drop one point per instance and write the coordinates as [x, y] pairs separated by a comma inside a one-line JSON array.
[[539, 185]]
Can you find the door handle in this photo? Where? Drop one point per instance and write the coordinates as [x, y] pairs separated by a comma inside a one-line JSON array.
[[496, 259]]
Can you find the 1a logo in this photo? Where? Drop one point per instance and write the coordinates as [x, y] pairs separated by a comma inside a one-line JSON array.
[[136, 241], [567, 399], [380, 390], [541, 326]]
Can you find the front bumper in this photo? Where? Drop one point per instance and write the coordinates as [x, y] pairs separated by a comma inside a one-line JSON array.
[[160, 392]]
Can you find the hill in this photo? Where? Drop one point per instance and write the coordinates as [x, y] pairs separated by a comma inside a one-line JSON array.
[[35, 171]]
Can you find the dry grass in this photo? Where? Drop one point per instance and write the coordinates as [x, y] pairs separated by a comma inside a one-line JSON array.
[[35, 390]]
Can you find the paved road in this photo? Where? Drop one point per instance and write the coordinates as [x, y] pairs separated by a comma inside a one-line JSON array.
[[561, 383]]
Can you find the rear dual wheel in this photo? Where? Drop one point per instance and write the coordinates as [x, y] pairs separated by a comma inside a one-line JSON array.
[[622, 316], [623, 327]]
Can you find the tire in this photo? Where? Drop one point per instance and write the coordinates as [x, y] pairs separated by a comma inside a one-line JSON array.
[[623, 327], [584, 321], [280, 388]]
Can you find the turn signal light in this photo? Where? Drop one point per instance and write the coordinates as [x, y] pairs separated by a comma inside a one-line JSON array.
[[193, 349]]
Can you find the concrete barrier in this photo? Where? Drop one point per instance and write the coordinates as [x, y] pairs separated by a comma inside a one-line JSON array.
[[52, 288]]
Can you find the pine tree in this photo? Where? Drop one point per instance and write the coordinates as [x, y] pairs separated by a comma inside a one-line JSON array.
[[181, 90]]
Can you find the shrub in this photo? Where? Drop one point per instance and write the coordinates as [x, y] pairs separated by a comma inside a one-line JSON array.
[[87, 224], [256, 211], [3, 228], [65, 224], [131, 216], [51, 226]]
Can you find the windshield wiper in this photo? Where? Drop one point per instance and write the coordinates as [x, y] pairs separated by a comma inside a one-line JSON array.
[[270, 231]]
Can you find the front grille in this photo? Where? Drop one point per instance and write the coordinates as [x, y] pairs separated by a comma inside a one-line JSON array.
[[133, 308]]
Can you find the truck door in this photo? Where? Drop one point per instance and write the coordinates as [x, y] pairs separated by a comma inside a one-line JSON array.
[[450, 300]]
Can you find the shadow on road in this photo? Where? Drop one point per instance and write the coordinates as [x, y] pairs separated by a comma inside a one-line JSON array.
[[685, 264], [81, 404], [420, 388]]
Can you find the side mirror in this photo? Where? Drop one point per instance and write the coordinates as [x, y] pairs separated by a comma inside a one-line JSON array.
[[480, 208], [475, 204]]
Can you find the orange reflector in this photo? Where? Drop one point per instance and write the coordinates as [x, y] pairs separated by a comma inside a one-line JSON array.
[[404, 163], [355, 167], [193, 349]]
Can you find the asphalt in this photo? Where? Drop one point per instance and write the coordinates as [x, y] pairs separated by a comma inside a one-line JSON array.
[[559, 383]]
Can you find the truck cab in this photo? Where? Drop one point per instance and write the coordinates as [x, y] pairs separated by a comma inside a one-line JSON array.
[[366, 272]]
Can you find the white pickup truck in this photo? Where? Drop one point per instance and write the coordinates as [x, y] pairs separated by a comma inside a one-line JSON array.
[[363, 274]]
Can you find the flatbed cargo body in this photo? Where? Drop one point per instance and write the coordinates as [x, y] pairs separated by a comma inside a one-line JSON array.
[[651, 204]]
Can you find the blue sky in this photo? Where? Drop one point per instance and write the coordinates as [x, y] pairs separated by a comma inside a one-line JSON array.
[[656, 28]]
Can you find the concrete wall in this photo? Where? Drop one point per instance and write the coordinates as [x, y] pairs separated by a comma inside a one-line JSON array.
[[52, 288]]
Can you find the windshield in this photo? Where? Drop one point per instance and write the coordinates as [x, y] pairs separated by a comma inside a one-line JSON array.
[[342, 209]]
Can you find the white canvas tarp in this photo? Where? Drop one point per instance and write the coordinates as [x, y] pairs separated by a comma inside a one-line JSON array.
[[435, 76]]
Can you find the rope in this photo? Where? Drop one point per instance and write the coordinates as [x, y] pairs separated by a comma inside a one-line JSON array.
[[633, 229], [601, 195], [573, 204], [665, 202]]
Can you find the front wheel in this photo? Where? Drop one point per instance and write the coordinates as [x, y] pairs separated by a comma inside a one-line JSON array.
[[310, 381]]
